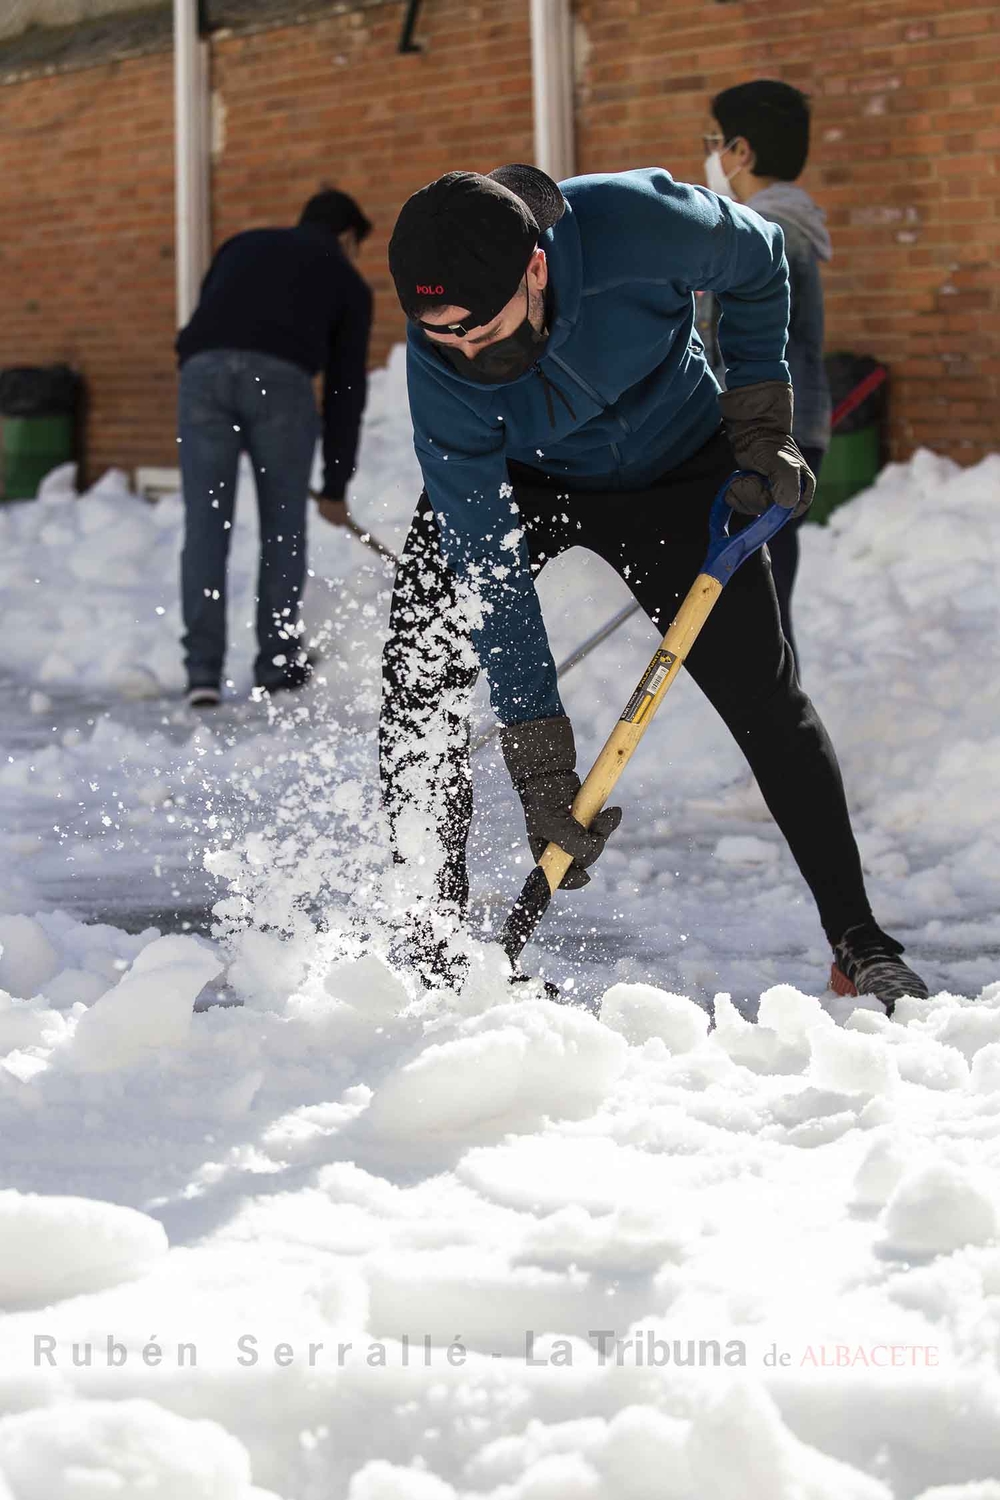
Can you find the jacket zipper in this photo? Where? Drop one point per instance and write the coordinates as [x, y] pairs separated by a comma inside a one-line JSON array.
[[594, 397]]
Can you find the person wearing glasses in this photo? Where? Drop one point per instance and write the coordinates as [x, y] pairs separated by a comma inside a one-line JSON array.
[[561, 397], [755, 149]]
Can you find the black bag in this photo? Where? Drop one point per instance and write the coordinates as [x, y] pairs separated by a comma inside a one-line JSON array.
[[40, 391], [845, 372]]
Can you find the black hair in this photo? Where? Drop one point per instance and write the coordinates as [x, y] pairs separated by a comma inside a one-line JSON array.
[[337, 212], [774, 118]]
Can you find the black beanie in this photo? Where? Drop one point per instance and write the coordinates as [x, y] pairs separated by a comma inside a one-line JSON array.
[[466, 239], [337, 212], [774, 118]]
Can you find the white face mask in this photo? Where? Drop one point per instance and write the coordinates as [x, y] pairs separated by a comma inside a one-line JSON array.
[[715, 177]]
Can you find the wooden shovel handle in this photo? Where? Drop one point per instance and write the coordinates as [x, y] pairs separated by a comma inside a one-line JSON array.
[[652, 688]]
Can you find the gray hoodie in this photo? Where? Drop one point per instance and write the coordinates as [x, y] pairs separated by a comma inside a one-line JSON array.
[[807, 242]]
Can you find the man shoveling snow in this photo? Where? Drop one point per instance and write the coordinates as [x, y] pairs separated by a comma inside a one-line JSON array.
[[560, 397]]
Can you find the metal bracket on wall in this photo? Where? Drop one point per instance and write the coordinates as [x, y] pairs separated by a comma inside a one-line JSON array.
[[406, 42]]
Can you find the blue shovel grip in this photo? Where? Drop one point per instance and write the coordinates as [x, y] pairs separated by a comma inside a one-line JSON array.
[[725, 552]]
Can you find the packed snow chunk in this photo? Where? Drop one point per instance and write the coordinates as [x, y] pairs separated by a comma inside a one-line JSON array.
[[508, 1069], [985, 1077], [880, 1173], [368, 986], [380, 1480], [969, 1027], [150, 1008], [27, 958], [74, 987], [744, 849], [644, 1457], [264, 968], [120, 1450], [755, 1046], [52, 1248], [922, 1060], [59, 484], [557, 1476], [633, 1240], [936, 1209], [851, 1062], [506, 1458], [640, 1012], [24, 1024], [740, 1449], [790, 1014]]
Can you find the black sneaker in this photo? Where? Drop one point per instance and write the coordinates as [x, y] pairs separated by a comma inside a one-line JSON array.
[[205, 695], [866, 961], [292, 679]]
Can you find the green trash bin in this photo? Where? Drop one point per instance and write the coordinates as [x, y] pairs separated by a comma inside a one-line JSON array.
[[852, 462], [32, 447], [39, 426], [858, 445]]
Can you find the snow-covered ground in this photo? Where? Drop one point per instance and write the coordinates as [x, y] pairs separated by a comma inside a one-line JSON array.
[[626, 1259]]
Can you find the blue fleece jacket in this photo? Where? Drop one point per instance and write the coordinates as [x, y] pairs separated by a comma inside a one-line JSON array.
[[634, 398]]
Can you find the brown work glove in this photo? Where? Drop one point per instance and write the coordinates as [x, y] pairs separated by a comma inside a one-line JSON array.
[[541, 759], [758, 420]]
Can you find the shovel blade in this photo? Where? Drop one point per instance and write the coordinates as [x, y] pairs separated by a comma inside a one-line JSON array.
[[528, 910]]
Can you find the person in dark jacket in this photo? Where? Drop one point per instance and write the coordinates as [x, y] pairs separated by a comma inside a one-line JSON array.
[[560, 397], [757, 146], [277, 307]]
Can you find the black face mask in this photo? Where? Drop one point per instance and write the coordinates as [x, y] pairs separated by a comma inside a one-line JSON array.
[[507, 359]]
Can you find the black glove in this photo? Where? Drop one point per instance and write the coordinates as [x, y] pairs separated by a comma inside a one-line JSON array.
[[541, 759], [758, 422]]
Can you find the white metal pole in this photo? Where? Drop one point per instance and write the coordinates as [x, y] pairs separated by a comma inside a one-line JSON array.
[[191, 157], [552, 86]]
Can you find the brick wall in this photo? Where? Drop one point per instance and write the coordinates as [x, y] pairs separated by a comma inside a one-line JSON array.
[[86, 245], [335, 102], [86, 181], [906, 130], [907, 124]]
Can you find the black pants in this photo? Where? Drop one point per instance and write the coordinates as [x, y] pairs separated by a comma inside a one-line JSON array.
[[655, 539]]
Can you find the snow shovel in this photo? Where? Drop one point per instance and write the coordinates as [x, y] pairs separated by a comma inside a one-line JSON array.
[[371, 542], [843, 409], [724, 555]]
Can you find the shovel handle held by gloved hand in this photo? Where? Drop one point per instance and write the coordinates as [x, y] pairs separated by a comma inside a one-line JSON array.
[[725, 554]]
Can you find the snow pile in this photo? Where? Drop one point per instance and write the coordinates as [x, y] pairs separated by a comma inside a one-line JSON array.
[[51, 1248], [150, 1009], [110, 1448], [615, 1246], [515, 1063], [347, 1239]]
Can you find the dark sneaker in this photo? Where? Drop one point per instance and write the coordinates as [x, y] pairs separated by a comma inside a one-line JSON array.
[[866, 961], [205, 696], [292, 678]]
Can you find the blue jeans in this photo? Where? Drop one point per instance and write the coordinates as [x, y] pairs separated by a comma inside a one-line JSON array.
[[233, 400]]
